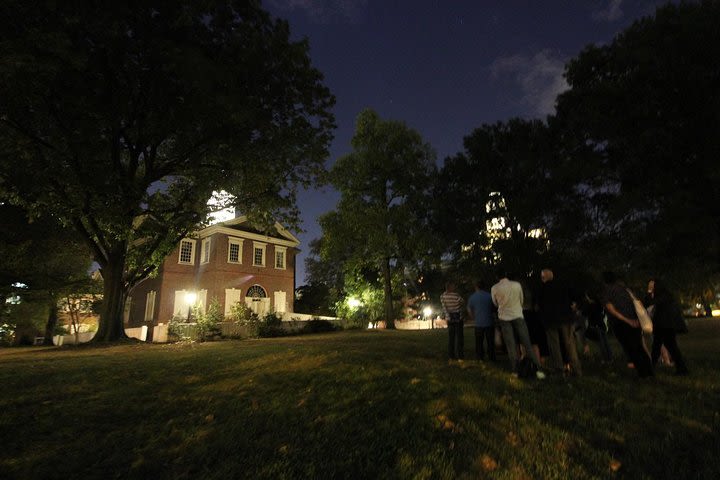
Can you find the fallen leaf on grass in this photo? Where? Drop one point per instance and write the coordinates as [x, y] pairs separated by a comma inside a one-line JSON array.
[[512, 439], [445, 422], [414, 381], [615, 465], [488, 463], [209, 417]]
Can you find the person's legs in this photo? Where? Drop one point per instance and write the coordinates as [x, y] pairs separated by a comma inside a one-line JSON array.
[[658, 339], [666, 357], [489, 334], [508, 335], [553, 339], [524, 336], [566, 331], [460, 340], [639, 354], [605, 350], [479, 346], [674, 350], [451, 326]]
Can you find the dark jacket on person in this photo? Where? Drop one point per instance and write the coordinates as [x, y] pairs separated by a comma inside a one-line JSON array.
[[668, 313], [554, 303], [594, 313]]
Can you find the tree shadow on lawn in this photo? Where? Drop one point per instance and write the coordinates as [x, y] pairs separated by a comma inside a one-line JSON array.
[[375, 405]]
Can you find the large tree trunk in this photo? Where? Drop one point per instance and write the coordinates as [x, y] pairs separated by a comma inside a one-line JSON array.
[[51, 321], [111, 326], [387, 290]]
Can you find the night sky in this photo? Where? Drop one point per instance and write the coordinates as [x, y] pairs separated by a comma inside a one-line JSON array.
[[444, 67]]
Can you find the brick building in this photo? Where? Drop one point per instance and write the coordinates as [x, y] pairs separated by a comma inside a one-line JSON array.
[[230, 261]]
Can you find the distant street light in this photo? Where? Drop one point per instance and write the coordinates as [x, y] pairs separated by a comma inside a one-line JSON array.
[[353, 302]]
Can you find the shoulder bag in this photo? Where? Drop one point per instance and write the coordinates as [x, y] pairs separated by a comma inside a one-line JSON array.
[[642, 314]]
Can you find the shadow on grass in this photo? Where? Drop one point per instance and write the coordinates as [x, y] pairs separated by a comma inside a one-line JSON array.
[[347, 405]]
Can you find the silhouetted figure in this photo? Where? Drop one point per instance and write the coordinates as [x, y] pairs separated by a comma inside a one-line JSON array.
[[453, 304], [481, 310], [555, 311], [507, 295], [621, 312], [667, 322]]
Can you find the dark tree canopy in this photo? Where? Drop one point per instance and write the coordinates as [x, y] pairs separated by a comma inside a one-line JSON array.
[[122, 118], [497, 201], [41, 261], [643, 116]]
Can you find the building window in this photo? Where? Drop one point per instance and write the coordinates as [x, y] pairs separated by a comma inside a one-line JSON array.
[[187, 252], [205, 251], [280, 257], [235, 250], [150, 306], [259, 254], [256, 291]]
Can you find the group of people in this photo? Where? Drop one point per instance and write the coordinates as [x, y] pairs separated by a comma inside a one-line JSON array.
[[557, 321]]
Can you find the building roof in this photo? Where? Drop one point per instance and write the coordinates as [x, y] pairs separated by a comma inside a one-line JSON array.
[[240, 225]]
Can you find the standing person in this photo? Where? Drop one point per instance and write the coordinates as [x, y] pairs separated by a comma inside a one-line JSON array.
[[507, 295], [621, 312], [556, 313], [480, 307], [649, 302], [597, 329], [580, 327], [452, 304], [667, 322], [533, 322]]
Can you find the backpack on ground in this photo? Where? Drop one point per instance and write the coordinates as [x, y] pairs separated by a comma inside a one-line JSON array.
[[526, 368]]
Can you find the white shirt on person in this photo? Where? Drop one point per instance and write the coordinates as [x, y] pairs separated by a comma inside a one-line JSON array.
[[507, 295]]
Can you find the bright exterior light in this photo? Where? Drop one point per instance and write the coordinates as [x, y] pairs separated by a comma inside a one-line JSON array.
[[716, 313], [190, 298], [427, 311], [353, 302]]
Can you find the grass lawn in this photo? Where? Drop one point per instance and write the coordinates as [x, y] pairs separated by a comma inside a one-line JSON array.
[[350, 405]]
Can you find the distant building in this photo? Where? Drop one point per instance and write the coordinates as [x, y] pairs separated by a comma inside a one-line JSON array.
[[230, 261]]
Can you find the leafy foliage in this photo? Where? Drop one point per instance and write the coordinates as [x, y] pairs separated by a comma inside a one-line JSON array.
[[180, 329], [318, 326], [641, 117], [42, 263], [380, 222], [208, 322], [130, 115]]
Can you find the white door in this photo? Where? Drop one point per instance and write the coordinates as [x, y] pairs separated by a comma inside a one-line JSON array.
[[260, 306], [232, 296], [280, 302]]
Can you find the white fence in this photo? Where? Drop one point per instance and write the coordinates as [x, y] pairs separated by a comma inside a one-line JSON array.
[[159, 335]]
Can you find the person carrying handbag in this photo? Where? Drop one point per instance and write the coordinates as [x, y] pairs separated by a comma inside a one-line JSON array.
[[621, 313]]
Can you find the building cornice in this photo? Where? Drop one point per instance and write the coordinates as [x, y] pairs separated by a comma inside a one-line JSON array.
[[233, 232]]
